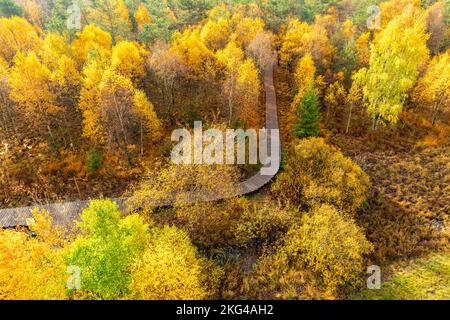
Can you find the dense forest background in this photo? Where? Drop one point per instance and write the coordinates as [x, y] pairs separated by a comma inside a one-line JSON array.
[[90, 92]]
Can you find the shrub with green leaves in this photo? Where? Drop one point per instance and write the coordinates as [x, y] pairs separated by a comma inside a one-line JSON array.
[[105, 248]]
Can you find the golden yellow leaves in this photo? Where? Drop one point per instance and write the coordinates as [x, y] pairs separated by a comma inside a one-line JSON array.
[[433, 89], [305, 73], [231, 57], [117, 106], [396, 55], [215, 34], [390, 9], [248, 87], [127, 59], [301, 38], [144, 108], [53, 47], [17, 35], [319, 173], [142, 16], [194, 52], [172, 269], [246, 30], [32, 267], [30, 86], [111, 101], [330, 244], [363, 49], [91, 40]]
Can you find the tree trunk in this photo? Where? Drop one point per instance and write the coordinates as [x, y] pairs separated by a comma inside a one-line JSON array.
[[142, 139], [375, 122], [435, 111], [50, 132], [11, 118], [230, 103], [5, 126], [349, 118], [124, 135]]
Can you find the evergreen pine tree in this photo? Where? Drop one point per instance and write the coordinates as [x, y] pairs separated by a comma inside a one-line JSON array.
[[8, 8], [308, 116]]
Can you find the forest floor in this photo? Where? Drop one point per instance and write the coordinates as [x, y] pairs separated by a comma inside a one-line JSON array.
[[408, 212]]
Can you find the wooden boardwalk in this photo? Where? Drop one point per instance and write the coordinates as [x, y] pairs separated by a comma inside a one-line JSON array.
[[68, 212]]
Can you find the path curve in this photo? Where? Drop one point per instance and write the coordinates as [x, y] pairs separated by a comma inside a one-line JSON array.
[[66, 213]]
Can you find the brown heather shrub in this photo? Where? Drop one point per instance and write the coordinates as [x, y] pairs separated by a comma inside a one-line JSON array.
[[262, 222], [397, 233], [318, 257], [319, 173]]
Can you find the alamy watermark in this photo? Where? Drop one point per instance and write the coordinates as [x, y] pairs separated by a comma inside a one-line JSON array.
[[234, 146], [374, 280], [74, 280], [73, 16], [374, 19]]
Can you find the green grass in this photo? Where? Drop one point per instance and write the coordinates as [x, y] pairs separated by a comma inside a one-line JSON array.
[[424, 280]]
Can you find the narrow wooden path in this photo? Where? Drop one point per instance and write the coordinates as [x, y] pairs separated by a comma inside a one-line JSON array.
[[66, 213]]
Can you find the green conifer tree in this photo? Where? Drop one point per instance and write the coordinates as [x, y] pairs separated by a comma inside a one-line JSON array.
[[308, 116]]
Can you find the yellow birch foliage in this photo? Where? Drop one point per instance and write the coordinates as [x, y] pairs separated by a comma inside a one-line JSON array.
[[363, 49], [33, 267], [172, 269], [348, 30], [395, 57], [246, 30], [91, 40], [116, 108], [433, 89], [17, 34], [331, 245], [231, 57], [127, 59], [190, 47], [123, 10], [89, 97], [304, 75], [304, 79], [66, 76], [115, 99], [390, 9], [142, 16], [208, 223], [30, 87], [215, 34], [248, 88], [301, 38], [319, 173], [53, 47], [334, 100], [145, 110]]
